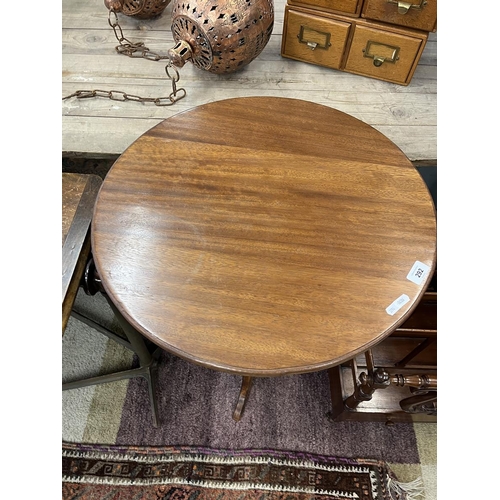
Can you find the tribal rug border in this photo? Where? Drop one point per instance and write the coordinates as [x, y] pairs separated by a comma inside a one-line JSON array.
[[95, 472]]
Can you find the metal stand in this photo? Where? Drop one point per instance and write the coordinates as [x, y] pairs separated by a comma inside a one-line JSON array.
[[148, 362]]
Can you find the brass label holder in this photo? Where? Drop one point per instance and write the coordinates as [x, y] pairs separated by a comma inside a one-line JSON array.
[[314, 39], [381, 53], [404, 7]]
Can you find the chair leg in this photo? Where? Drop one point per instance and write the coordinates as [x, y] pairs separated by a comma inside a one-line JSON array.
[[146, 359], [148, 363]]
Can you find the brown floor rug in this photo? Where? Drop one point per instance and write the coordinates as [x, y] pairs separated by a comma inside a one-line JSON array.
[[92, 472]]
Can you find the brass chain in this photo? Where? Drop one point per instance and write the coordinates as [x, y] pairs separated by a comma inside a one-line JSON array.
[[131, 49]]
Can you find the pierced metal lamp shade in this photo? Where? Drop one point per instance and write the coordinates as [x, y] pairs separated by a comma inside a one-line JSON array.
[[220, 36], [142, 9]]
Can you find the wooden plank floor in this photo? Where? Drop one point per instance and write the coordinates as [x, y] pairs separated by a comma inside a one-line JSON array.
[[99, 128]]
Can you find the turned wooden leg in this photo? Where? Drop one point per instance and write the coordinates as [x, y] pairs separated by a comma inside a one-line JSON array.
[[367, 384], [246, 384], [423, 388]]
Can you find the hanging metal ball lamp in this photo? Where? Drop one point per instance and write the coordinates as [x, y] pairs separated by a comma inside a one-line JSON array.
[[220, 36], [142, 9]]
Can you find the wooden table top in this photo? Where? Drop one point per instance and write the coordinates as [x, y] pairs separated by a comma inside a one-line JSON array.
[[264, 236], [103, 128]]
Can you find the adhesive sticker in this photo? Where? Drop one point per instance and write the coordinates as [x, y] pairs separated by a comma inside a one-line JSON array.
[[418, 272], [397, 304]]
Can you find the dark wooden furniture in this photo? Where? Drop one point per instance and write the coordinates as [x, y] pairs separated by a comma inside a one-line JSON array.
[[264, 236], [79, 192]]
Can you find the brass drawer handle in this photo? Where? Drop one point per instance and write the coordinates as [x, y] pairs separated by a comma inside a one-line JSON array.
[[314, 39], [381, 53], [404, 7]]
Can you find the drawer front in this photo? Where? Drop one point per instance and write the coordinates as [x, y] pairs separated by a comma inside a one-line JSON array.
[[351, 7], [418, 14], [383, 55], [314, 39]]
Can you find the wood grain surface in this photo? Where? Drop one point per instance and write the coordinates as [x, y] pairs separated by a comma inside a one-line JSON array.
[[263, 236], [100, 127]]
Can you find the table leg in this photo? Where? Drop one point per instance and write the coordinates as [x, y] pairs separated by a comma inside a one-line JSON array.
[[246, 384], [367, 383]]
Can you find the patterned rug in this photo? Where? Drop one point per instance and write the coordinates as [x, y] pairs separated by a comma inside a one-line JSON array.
[[92, 472]]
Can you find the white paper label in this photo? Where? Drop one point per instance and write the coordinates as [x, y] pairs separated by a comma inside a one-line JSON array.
[[418, 272], [397, 304]]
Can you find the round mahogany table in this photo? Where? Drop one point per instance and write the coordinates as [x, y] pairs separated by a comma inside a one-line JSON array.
[[264, 236]]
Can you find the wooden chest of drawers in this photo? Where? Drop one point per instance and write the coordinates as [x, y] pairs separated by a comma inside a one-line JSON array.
[[381, 39]]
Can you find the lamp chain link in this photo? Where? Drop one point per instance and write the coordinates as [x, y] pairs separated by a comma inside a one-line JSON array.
[[137, 49]]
